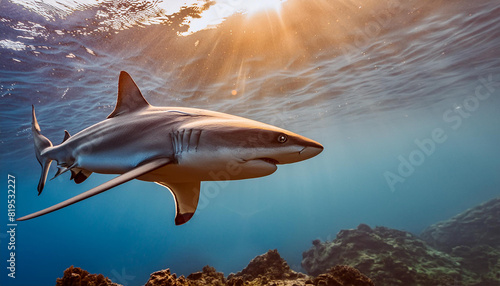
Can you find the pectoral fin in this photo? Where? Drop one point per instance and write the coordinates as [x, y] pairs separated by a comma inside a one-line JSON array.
[[125, 177], [186, 197]]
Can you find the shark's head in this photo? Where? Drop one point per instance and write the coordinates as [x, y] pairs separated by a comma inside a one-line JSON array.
[[254, 149]]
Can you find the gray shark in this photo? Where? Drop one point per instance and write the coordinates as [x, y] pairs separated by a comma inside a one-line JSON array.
[[175, 147]]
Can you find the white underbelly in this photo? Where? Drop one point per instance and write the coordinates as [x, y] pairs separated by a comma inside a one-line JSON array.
[[209, 168]]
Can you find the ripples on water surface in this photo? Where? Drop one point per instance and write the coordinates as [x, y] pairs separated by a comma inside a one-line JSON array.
[[363, 77]]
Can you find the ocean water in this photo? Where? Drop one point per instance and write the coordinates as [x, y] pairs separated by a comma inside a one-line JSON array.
[[403, 95]]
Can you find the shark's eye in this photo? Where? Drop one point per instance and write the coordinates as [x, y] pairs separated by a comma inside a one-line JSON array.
[[282, 138]]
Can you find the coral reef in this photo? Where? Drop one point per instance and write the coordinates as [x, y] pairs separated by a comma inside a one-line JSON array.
[[267, 269], [209, 276], [474, 238], [479, 225], [269, 265], [79, 277], [464, 250], [387, 256], [343, 275]]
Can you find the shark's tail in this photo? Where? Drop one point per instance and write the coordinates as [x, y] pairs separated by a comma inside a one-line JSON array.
[[41, 145]]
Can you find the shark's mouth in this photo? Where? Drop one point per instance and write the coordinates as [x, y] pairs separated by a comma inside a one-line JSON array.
[[269, 160]]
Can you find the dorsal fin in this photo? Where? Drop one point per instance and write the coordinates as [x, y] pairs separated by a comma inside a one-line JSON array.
[[130, 98], [66, 136]]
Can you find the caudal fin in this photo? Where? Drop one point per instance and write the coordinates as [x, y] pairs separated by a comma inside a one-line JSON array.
[[41, 144]]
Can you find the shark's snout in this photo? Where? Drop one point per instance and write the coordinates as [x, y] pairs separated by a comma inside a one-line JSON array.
[[306, 149], [311, 151], [310, 148]]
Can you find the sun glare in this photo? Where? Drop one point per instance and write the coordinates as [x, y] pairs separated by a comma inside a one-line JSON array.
[[225, 8], [255, 6]]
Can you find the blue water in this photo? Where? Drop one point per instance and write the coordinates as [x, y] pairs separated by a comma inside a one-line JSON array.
[[404, 96]]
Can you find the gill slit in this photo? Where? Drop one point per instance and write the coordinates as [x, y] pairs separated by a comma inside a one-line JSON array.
[[185, 140], [188, 139], [197, 141]]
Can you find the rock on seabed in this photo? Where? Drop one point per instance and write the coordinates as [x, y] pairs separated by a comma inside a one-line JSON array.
[[387, 256], [479, 225], [266, 269], [75, 276], [474, 238], [464, 250]]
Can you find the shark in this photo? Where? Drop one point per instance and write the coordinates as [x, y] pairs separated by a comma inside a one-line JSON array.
[[175, 147]]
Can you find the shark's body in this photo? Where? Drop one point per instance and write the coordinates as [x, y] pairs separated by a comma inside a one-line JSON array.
[[175, 147]]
